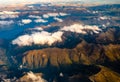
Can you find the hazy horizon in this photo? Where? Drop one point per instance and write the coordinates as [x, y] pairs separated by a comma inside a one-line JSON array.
[[85, 1]]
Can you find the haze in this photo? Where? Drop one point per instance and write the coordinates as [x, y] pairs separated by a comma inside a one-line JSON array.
[[31, 1]]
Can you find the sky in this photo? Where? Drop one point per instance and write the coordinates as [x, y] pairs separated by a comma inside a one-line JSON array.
[[34, 1]]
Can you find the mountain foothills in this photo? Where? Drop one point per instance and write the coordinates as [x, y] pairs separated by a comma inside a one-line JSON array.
[[88, 61], [83, 61], [60, 44]]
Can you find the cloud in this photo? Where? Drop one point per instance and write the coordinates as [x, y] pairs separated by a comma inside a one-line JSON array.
[[54, 14], [5, 16], [79, 28], [26, 21], [58, 19], [38, 28], [40, 38], [63, 14], [104, 18], [24, 40], [8, 12], [50, 15], [34, 16], [31, 1], [46, 16], [6, 22], [35, 78], [40, 20]]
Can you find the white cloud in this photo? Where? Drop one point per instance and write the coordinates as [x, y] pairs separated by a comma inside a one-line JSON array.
[[26, 21], [37, 28], [40, 20], [46, 16], [54, 14], [31, 1], [35, 78], [58, 19], [23, 40], [6, 22], [8, 12], [5, 16], [63, 14], [104, 18], [34, 16], [30, 6], [94, 12], [50, 15], [78, 28], [41, 38]]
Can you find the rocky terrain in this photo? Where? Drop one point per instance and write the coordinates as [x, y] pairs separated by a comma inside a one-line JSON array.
[[96, 59]]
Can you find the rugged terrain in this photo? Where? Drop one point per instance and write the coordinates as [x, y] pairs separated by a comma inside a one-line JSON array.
[[60, 44], [96, 59]]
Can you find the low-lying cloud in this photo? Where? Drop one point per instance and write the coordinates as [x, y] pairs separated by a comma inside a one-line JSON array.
[[58, 19], [40, 38], [63, 14], [34, 16], [2, 23], [38, 28], [54, 15], [8, 12], [104, 18], [26, 21], [5, 16], [79, 28], [40, 20]]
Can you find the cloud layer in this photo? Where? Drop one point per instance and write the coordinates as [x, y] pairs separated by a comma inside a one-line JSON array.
[[8, 12], [40, 20], [34, 16], [2, 23], [29, 1], [26, 21], [47, 15], [40, 38], [78, 28], [58, 19], [5, 16], [45, 38]]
